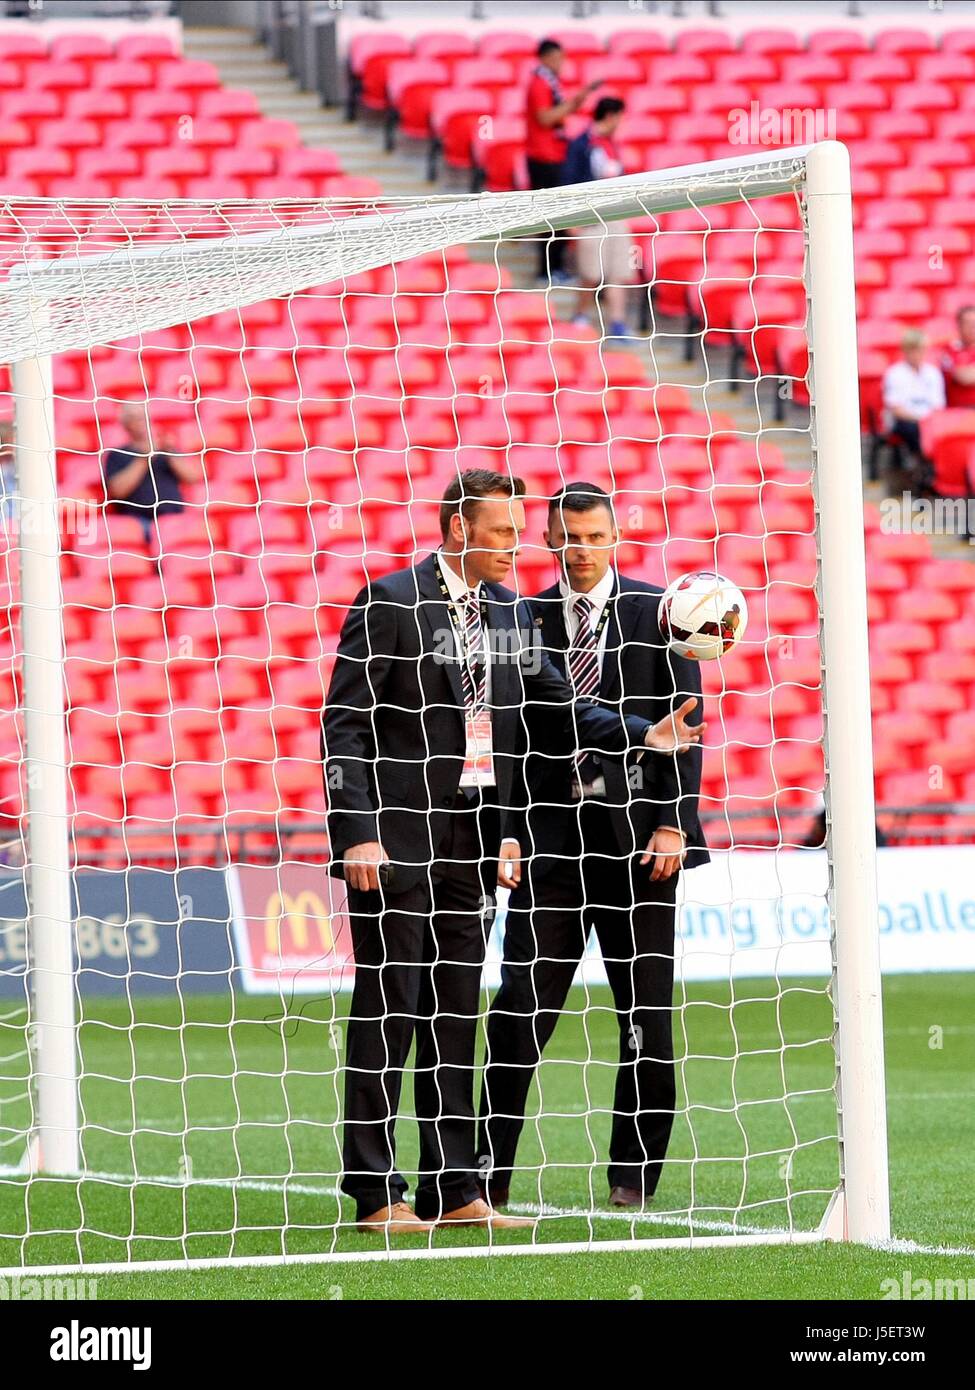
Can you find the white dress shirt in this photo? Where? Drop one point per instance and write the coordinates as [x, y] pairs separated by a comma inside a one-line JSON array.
[[920, 391]]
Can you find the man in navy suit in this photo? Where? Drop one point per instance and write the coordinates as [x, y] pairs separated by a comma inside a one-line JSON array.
[[423, 743], [604, 840]]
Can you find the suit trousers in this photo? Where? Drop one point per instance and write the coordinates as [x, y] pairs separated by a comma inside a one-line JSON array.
[[593, 886], [551, 250], [418, 955]]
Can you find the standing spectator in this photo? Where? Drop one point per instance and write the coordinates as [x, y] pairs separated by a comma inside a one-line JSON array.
[[604, 256], [142, 482], [958, 362], [913, 388], [546, 110]]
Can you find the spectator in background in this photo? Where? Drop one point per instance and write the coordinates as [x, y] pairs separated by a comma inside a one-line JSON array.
[[958, 362], [142, 482], [913, 388], [546, 110], [604, 252]]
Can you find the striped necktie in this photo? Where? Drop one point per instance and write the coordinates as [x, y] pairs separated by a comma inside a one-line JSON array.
[[474, 667], [584, 651]]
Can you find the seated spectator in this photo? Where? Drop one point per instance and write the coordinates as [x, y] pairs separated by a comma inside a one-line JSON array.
[[140, 481], [913, 389], [958, 361], [546, 110], [604, 252]]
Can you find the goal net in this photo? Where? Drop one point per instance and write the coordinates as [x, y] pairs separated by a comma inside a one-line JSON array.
[[307, 379]]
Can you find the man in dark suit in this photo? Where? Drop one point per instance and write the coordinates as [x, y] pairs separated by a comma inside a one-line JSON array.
[[604, 839], [423, 747]]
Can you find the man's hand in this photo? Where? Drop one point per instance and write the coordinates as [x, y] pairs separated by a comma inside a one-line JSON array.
[[509, 864], [666, 849], [362, 865], [673, 734]]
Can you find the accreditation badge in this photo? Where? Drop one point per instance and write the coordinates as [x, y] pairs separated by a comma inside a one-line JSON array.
[[479, 753]]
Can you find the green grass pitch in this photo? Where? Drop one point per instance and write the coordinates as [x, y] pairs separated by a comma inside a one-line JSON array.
[[238, 1127]]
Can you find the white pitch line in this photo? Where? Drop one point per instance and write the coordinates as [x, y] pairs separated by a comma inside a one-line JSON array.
[[304, 1189], [728, 1228]]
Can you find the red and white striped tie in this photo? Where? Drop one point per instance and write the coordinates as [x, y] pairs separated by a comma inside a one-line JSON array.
[[584, 651], [474, 669]]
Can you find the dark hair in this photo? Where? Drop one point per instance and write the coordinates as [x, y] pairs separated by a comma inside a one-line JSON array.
[[546, 47], [580, 497], [467, 489], [608, 106], [965, 309]]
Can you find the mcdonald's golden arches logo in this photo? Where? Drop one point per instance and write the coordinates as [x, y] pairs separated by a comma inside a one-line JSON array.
[[297, 922]]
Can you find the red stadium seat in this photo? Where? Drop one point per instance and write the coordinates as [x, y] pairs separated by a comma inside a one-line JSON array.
[[56, 77], [453, 120], [90, 49], [123, 76], [144, 48], [228, 104], [502, 44], [23, 49], [618, 73], [948, 439], [410, 86], [447, 48], [884, 71], [258, 134], [96, 105], [637, 43], [703, 41], [577, 42], [370, 56], [775, 42], [817, 70], [909, 42], [489, 74], [685, 70], [183, 75], [499, 153]]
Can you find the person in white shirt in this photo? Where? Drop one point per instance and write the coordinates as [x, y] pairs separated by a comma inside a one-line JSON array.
[[604, 252], [913, 388]]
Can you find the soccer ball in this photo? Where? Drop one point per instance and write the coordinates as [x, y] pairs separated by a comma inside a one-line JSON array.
[[702, 615]]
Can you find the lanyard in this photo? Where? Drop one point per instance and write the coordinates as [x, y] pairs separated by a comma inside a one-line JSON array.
[[470, 659]]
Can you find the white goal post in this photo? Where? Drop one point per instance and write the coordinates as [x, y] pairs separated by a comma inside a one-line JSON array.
[[78, 300]]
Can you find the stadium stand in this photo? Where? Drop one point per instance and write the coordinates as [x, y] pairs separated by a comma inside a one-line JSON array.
[[253, 578], [902, 106]]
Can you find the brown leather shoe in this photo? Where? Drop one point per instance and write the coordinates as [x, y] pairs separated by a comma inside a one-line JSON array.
[[494, 1195], [628, 1198], [478, 1213], [397, 1220]]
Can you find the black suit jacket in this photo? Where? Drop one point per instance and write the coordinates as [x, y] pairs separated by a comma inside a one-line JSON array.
[[393, 737], [640, 677]]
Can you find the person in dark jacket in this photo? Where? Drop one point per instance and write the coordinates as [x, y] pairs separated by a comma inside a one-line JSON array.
[[436, 671], [605, 840]]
